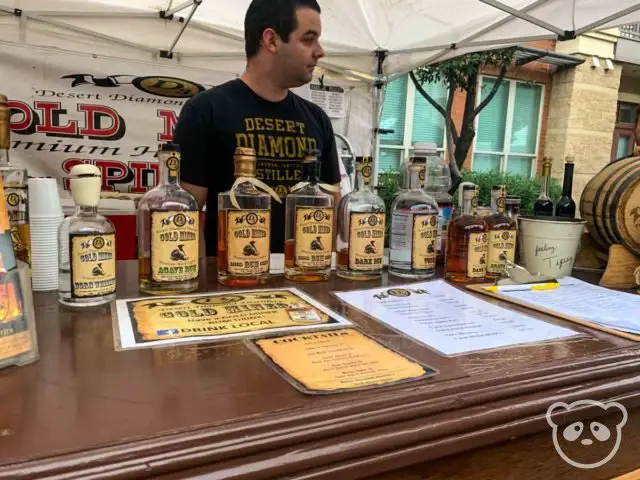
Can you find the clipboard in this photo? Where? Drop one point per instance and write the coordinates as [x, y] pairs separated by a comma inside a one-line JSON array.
[[586, 323]]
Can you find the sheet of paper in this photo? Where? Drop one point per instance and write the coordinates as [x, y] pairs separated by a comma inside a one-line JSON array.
[[154, 321], [575, 298], [330, 98], [338, 360], [449, 320]]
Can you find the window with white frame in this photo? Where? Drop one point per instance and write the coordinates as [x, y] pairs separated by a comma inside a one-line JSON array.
[[412, 119], [508, 128]]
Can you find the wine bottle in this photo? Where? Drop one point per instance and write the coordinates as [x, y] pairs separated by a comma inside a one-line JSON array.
[[543, 205], [566, 207]]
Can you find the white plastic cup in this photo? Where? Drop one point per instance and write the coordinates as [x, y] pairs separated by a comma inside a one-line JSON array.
[[549, 245], [44, 199]]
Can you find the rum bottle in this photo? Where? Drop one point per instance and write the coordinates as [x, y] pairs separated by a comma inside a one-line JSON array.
[[168, 230], [15, 189], [309, 226], [87, 245], [543, 207], [361, 228], [414, 228], [566, 207], [468, 242], [502, 235], [244, 226]]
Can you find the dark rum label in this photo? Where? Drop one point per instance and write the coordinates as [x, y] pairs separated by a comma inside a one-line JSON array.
[[477, 255], [314, 237], [248, 238], [366, 241], [93, 265], [174, 246], [502, 247], [423, 247]]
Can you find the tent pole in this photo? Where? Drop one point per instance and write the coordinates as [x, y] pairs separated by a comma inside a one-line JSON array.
[[524, 16], [608, 19], [169, 53], [176, 9], [377, 93]]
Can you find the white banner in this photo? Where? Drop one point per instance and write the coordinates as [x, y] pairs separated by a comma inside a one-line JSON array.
[[68, 109]]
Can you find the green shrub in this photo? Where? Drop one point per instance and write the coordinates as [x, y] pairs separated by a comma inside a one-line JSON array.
[[388, 185]]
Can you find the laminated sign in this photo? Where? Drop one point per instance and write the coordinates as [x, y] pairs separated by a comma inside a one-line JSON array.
[[163, 320]]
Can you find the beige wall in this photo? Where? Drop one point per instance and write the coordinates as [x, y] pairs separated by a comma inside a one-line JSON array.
[[582, 116], [629, 85]]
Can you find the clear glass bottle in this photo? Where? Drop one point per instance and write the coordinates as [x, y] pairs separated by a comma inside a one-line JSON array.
[[86, 245], [468, 242], [244, 229], [438, 183], [502, 235], [15, 189], [168, 232], [309, 227], [566, 207], [543, 206], [414, 228], [361, 228]]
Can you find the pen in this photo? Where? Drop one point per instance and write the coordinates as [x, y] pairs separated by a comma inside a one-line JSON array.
[[520, 288]]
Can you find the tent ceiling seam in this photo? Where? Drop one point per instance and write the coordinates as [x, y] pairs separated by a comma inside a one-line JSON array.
[[524, 16]]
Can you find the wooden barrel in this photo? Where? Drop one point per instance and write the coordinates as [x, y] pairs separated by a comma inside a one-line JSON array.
[[610, 204]]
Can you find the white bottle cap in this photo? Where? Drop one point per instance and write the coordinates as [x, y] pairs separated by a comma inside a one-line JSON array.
[[85, 183]]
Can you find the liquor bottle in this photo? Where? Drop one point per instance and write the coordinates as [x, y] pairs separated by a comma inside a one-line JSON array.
[[15, 189], [502, 235], [468, 242], [414, 228], [566, 207], [361, 220], [244, 226], [309, 226], [87, 245], [543, 205], [438, 183], [168, 230]]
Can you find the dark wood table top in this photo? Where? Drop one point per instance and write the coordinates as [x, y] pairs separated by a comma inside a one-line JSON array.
[[86, 410]]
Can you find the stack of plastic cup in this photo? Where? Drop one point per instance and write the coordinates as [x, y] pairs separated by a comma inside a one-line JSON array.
[[45, 216]]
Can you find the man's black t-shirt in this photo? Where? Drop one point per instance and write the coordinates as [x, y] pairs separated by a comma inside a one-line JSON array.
[[213, 123]]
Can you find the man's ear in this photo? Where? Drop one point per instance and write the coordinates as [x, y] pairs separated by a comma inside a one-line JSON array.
[[555, 408], [270, 40]]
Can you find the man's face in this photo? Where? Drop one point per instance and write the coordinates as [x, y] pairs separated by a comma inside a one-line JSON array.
[[297, 58]]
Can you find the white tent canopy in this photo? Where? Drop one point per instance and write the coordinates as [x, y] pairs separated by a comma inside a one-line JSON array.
[[208, 33]]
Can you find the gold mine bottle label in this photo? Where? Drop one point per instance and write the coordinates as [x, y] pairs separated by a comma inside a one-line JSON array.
[[366, 241], [314, 236], [502, 247], [423, 247], [477, 255], [248, 238], [93, 265], [174, 245]]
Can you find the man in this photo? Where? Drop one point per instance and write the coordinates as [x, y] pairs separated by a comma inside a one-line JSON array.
[[258, 110]]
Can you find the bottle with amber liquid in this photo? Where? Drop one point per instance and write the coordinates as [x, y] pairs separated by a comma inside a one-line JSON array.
[[168, 229], [543, 206], [468, 242], [502, 235], [361, 221], [244, 226], [309, 227]]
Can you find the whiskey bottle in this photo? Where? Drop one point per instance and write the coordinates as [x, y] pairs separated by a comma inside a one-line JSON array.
[[87, 245], [468, 242], [502, 235], [244, 226], [414, 228], [361, 221], [543, 206], [566, 207], [15, 189], [309, 226], [168, 229]]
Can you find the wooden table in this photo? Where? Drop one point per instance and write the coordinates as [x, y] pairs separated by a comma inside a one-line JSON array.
[[85, 410]]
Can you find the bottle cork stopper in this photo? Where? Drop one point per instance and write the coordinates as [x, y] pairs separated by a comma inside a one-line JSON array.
[[86, 182]]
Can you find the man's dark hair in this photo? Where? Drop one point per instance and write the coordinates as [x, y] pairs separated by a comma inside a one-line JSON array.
[[277, 14]]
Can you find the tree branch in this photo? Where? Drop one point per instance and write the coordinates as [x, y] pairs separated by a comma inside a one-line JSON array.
[[494, 90], [427, 97]]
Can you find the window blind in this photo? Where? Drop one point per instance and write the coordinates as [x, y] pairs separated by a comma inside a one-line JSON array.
[[428, 123], [393, 111], [526, 110], [389, 160], [493, 118]]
